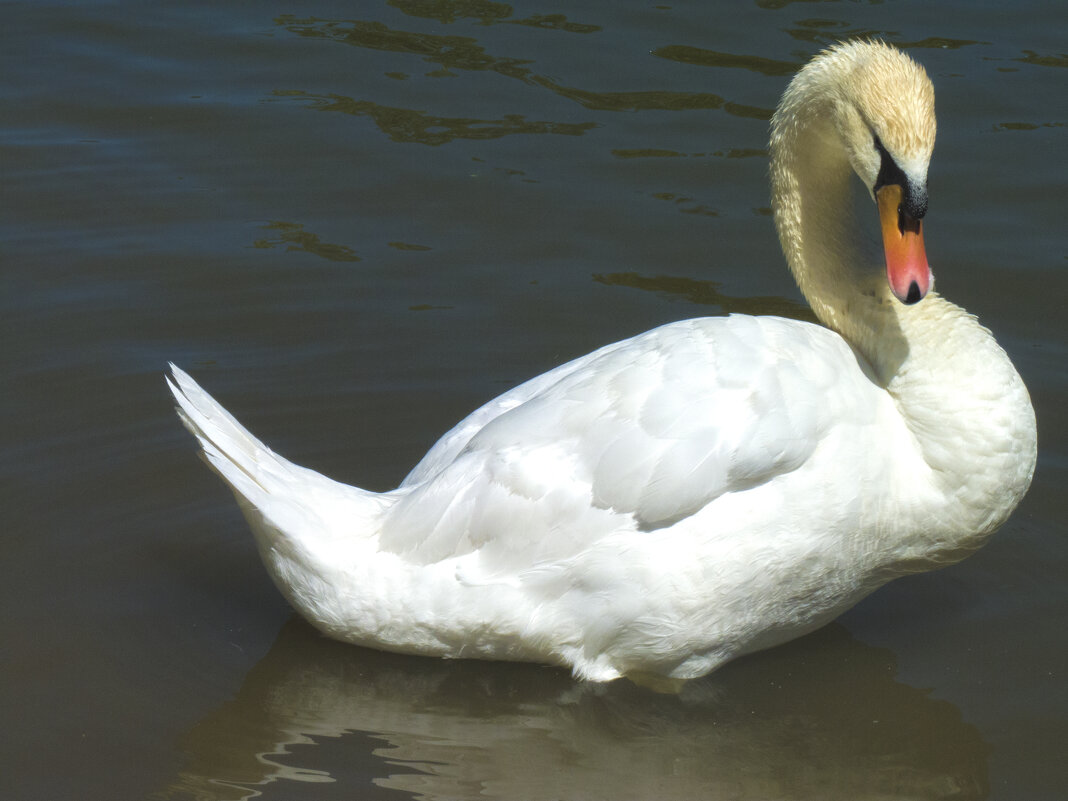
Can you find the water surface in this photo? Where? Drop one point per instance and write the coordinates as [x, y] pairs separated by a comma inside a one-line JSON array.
[[355, 223]]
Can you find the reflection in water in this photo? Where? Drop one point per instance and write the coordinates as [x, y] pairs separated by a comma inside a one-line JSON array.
[[653, 101], [1026, 126], [706, 293], [938, 43], [294, 237], [450, 52], [825, 32], [1031, 57], [646, 153], [712, 58], [821, 718], [449, 11], [821, 31], [555, 22], [657, 153], [686, 204], [487, 13], [464, 53], [408, 246], [634, 101], [406, 125]]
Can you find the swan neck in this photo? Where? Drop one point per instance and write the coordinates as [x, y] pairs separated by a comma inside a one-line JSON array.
[[834, 256], [966, 410]]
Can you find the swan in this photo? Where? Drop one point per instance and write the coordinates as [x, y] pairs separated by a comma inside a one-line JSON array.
[[706, 489]]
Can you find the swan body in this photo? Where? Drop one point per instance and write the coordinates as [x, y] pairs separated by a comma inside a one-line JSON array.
[[706, 489]]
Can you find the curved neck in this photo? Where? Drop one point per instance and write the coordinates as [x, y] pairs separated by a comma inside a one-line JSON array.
[[968, 412], [835, 258]]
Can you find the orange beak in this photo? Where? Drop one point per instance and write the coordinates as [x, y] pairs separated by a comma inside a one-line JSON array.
[[907, 271]]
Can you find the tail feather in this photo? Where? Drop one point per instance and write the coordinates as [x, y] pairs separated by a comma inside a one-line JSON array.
[[231, 450], [293, 497]]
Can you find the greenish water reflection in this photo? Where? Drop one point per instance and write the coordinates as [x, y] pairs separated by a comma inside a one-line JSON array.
[[408, 125], [708, 293], [465, 54], [823, 718], [294, 237]]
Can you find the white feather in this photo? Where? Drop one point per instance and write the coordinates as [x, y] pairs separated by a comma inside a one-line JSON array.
[[705, 489]]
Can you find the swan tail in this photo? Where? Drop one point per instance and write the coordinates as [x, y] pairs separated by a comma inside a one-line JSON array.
[[289, 498], [243, 462]]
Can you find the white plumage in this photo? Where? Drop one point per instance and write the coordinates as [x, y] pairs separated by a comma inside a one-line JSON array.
[[703, 490]]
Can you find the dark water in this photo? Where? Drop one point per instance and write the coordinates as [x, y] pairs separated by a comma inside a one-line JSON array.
[[354, 223]]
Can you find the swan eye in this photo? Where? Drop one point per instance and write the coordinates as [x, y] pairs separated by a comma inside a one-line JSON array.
[[914, 198], [889, 172]]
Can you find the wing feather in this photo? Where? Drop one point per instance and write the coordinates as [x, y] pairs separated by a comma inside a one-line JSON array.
[[638, 435]]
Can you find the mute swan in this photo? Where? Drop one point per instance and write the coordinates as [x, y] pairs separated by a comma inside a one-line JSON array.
[[706, 489]]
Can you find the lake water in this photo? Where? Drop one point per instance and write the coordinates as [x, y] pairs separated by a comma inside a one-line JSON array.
[[353, 223]]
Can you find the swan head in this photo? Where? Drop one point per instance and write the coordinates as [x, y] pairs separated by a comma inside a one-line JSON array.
[[885, 114], [879, 106]]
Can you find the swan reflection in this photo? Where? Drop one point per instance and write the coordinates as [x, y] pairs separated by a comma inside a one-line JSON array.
[[820, 718]]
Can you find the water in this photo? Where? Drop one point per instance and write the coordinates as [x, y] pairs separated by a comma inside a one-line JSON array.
[[353, 225]]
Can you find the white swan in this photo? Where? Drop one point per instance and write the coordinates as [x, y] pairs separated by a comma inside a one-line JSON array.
[[703, 490]]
